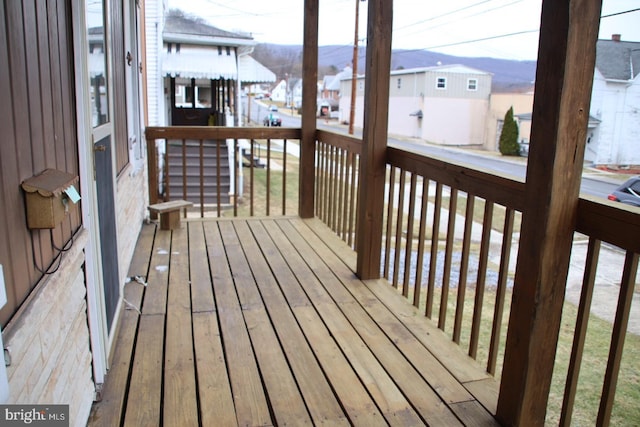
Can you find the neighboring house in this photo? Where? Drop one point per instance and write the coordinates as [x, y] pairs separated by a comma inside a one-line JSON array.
[[201, 68], [615, 102], [446, 104], [329, 93], [279, 91], [613, 137], [288, 91], [295, 87], [62, 113], [499, 104]]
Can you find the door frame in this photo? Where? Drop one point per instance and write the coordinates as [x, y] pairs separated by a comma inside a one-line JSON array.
[[96, 307]]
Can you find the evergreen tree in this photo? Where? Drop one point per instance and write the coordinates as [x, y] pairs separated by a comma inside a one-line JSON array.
[[508, 145]]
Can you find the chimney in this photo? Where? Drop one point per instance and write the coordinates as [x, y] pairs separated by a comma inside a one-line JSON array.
[[615, 37]]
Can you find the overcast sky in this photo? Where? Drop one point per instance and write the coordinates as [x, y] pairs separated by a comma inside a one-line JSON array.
[[451, 27]]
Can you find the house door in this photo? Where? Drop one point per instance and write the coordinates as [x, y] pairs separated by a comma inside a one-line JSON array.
[[102, 135], [107, 226]]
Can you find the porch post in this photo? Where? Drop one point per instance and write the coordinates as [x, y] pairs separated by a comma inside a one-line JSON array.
[[373, 159], [309, 96], [566, 60]]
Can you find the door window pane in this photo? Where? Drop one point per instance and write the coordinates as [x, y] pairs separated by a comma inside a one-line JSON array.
[[97, 62]]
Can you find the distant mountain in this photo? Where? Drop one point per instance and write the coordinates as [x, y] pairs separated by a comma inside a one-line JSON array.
[[507, 74]]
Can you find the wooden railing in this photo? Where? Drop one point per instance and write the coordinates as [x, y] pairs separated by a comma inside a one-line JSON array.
[[336, 194], [225, 170], [450, 246]]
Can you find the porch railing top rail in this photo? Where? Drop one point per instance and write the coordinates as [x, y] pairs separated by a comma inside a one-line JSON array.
[[221, 132]]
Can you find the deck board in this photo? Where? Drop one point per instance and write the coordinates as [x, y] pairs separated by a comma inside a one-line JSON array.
[[266, 324]]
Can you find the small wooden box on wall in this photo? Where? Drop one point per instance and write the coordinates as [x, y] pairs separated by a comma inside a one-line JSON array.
[[50, 195]]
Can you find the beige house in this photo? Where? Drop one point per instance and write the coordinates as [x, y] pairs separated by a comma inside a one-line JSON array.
[[522, 103], [445, 104]]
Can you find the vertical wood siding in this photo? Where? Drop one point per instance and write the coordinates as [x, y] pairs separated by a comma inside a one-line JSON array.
[[38, 131]]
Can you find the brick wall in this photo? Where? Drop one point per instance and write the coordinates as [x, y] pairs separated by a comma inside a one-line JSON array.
[[49, 341]]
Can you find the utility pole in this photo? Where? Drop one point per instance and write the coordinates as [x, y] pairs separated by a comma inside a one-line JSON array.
[[354, 74]]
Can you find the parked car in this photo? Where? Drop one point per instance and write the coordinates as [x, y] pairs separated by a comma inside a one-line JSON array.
[[272, 120], [628, 193], [273, 107]]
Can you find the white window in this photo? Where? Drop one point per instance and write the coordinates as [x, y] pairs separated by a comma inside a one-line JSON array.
[[441, 83], [472, 84]]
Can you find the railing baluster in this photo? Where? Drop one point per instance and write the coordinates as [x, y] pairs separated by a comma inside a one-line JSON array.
[[218, 179], [620, 323], [433, 261], [352, 199], [485, 244], [319, 177], [268, 189], [387, 243], [201, 179], [184, 169], [356, 229], [327, 184], [448, 253], [421, 241], [464, 267], [580, 333], [165, 177], [334, 188], [503, 273], [236, 177], [284, 177], [340, 184], [409, 239], [251, 175], [346, 184], [398, 235]]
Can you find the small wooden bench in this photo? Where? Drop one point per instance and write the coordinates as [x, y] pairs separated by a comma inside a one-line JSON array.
[[170, 213]]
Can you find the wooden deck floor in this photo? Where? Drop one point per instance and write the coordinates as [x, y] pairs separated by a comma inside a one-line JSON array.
[[262, 322]]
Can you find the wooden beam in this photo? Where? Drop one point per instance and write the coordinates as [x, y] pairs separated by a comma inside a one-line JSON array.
[[309, 96], [373, 162], [566, 60]]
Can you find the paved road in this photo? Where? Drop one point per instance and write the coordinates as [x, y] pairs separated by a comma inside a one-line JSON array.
[[597, 186]]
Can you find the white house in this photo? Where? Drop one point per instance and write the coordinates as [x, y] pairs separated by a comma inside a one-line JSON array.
[[198, 67], [279, 91], [446, 104], [615, 102]]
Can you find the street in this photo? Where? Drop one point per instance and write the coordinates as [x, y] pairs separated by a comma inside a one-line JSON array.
[[597, 186]]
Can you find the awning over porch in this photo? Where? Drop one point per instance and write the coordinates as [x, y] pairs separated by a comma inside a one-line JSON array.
[[251, 71], [195, 65]]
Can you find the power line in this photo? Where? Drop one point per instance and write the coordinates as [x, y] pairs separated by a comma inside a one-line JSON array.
[[620, 13], [444, 14], [474, 40]]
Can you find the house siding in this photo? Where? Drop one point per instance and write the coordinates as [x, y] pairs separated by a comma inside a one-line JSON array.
[[455, 121], [616, 139], [49, 343], [153, 35], [451, 116], [499, 104], [131, 202], [457, 85]]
